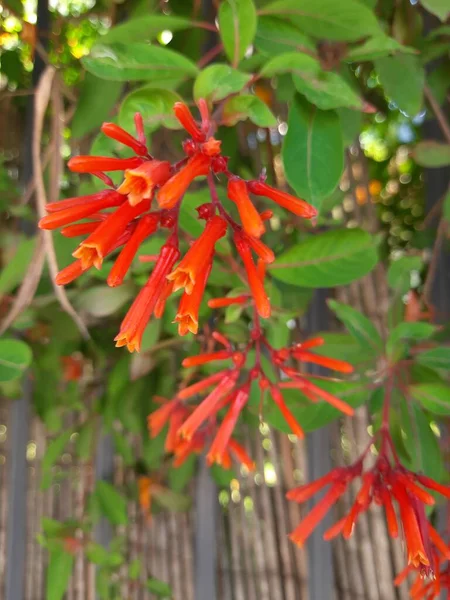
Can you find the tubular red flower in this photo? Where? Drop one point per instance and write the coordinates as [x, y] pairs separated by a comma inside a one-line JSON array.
[[287, 415], [240, 454], [91, 164], [310, 388], [52, 207], [202, 359], [414, 489], [391, 517], [417, 555], [120, 135], [188, 309], [69, 273], [313, 518], [222, 439], [324, 361], [139, 124], [187, 121], [294, 205], [256, 286], [198, 256], [208, 406], [161, 302], [176, 186], [250, 219], [145, 227], [229, 301], [94, 248], [139, 183], [334, 530], [439, 542], [159, 417], [80, 229], [195, 388], [311, 343], [81, 211], [259, 248], [135, 321], [444, 490], [308, 490]]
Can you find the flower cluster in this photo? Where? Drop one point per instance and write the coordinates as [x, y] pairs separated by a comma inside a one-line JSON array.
[[230, 388], [123, 217], [386, 484]]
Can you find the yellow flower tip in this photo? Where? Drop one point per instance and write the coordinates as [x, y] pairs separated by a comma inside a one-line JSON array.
[[182, 278], [89, 255], [137, 185]]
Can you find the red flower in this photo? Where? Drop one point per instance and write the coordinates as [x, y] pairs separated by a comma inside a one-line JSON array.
[[92, 164], [222, 439], [75, 209], [250, 218], [256, 285], [140, 182], [381, 484], [145, 227], [198, 256], [294, 205], [184, 116], [188, 309], [174, 189], [136, 319], [94, 248], [120, 135], [229, 301], [210, 405]]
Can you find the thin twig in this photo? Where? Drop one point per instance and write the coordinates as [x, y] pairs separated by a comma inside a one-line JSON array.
[[439, 113], [432, 268], [28, 287], [42, 99]]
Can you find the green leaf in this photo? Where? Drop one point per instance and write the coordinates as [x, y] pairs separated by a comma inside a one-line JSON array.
[[434, 397], [135, 569], [159, 588], [402, 77], [347, 20], [325, 89], [179, 477], [144, 28], [222, 477], [446, 207], [274, 36], [85, 440], [15, 357], [399, 272], [237, 27], [59, 570], [351, 124], [313, 151], [123, 448], [96, 101], [55, 449], [101, 301], [15, 266], [218, 81], [151, 334], [99, 555], [155, 106], [435, 358], [327, 259], [421, 442], [432, 154], [440, 8], [171, 500], [376, 47], [112, 504], [136, 62], [359, 326], [239, 108]]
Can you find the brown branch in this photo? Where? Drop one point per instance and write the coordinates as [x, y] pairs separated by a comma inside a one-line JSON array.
[[439, 113], [432, 268], [42, 99]]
